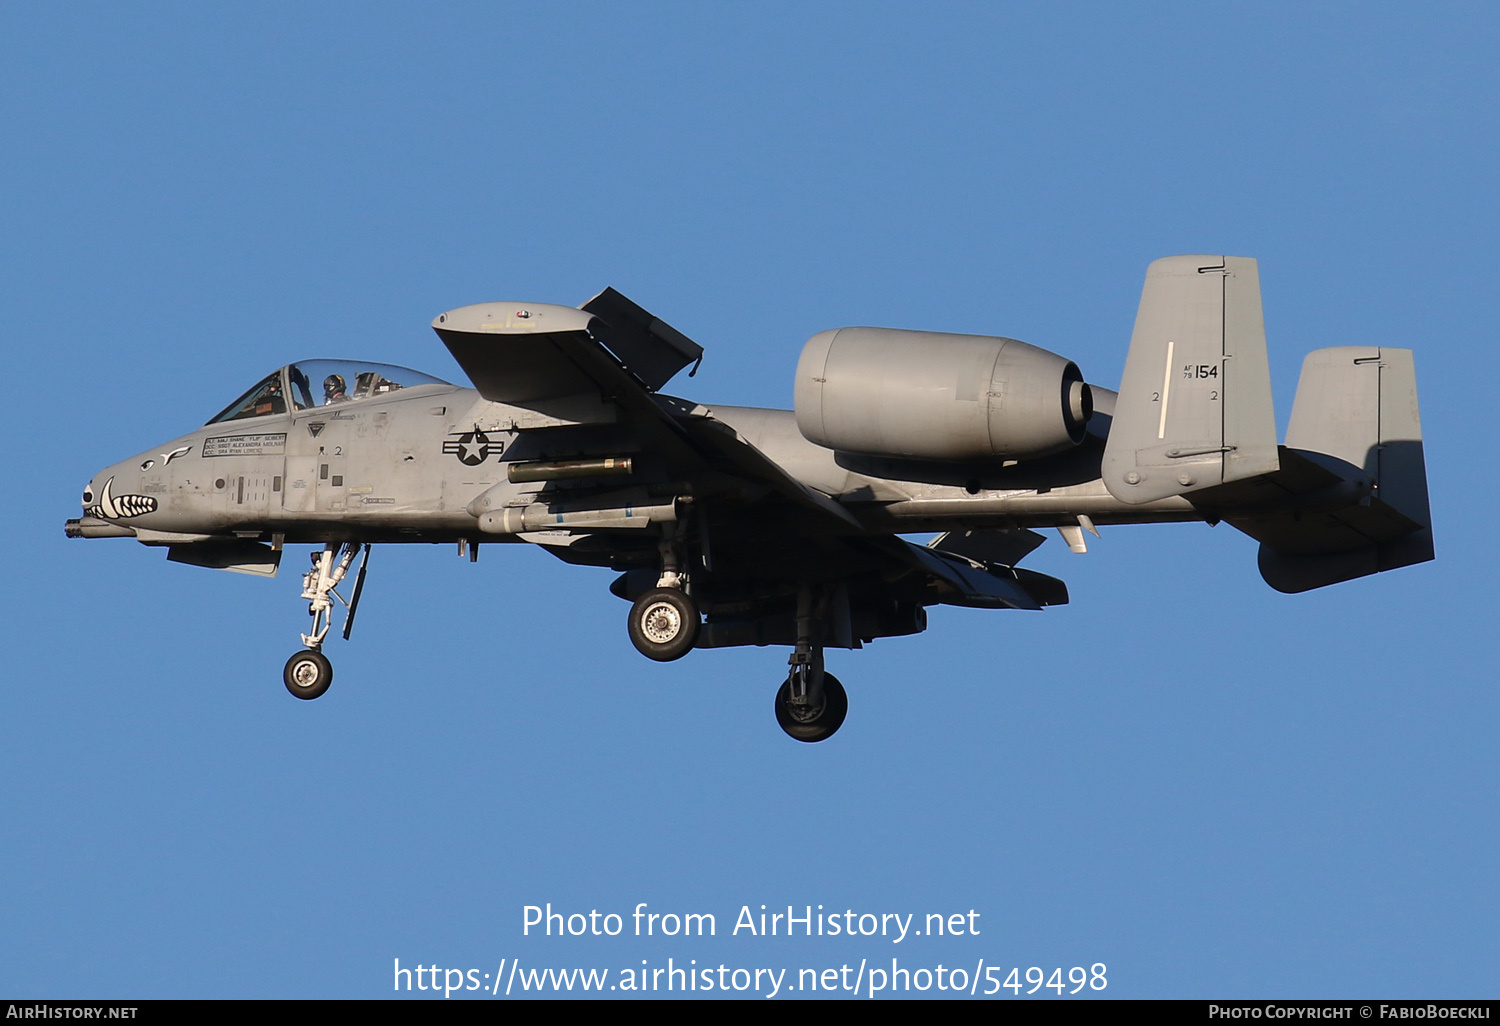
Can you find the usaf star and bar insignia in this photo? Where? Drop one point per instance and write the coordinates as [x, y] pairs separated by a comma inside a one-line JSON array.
[[473, 447]]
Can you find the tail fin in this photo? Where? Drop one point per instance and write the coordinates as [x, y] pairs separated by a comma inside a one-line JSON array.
[[1355, 415], [1194, 409]]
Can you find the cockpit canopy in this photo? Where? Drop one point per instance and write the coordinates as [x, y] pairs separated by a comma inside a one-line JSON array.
[[313, 383]]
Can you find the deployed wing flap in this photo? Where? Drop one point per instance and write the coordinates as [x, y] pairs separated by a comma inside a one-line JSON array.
[[970, 585], [1048, 591], [1194, 409], [1004, 546]]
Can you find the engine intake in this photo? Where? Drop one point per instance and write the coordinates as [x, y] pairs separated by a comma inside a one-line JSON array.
[[938, 396]]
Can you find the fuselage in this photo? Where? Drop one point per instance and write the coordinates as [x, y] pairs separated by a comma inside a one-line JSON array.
[[406, 464]]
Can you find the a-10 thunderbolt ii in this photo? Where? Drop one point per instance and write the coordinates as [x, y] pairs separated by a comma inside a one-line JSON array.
[[739, 526]]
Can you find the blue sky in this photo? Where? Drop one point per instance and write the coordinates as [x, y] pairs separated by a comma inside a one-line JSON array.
[[1212, 788]]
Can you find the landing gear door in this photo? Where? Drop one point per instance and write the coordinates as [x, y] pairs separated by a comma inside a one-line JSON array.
[[300, 485]]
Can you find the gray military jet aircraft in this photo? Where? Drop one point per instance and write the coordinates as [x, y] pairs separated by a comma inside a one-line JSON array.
[[738, 526]]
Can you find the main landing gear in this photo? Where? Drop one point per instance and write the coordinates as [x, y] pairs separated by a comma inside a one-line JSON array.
[[811, 721], [812, 704], [664, 621], [309, 673], [663, 624]]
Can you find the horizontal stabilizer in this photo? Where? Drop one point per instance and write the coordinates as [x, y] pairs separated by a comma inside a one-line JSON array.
[[1194, 409], [1297, 573]]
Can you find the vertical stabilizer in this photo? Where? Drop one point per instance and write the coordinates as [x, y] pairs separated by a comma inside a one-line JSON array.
[[1355, 415], [1195, 401]]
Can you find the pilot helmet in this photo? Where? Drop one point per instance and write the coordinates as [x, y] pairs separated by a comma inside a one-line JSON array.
[[333, 385]]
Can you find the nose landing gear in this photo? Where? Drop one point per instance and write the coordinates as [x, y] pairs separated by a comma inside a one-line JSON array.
[[308, 673]]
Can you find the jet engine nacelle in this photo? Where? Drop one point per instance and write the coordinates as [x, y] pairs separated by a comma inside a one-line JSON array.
[[931, 395]]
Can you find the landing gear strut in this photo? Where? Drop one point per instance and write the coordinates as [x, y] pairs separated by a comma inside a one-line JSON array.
[[309, 673], [664, 621]]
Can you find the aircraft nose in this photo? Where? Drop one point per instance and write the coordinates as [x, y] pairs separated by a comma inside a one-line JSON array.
[[106, 503], [93, 492]]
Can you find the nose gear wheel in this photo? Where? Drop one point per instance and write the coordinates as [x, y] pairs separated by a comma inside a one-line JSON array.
[[308, 674]]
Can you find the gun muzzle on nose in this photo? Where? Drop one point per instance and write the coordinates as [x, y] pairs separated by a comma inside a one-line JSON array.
[[93, 527]]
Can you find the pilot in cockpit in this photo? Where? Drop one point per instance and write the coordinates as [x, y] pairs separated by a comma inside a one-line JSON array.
[[333, 390], [268, 401]]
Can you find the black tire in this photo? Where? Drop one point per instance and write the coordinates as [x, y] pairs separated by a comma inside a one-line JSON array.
[[821, 726], [663, 624], [307, 674]]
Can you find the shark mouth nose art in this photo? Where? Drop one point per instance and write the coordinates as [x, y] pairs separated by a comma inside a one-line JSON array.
[[120, 507]]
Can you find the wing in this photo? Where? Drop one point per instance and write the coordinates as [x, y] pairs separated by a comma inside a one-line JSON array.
[[759, 532], [545, 357], [528, 353], [553, 358]]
